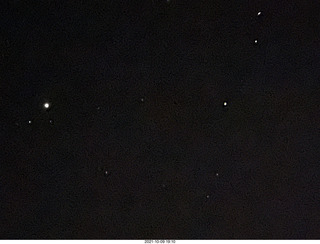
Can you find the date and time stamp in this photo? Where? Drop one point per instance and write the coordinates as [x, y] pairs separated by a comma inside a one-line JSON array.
[[160, 241]]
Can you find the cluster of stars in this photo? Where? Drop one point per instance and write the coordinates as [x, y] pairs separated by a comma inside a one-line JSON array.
[[47, 105], [225, 103]]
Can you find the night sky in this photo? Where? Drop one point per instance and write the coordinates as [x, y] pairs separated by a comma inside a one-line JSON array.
[[160, 119]]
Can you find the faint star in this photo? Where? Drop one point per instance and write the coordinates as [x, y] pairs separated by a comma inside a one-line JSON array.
[[142, 99], [29, 121], [208, 196], [259, 13], [217, 174], [51, 121]]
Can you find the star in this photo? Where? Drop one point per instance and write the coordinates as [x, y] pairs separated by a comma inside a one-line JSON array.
[[255, 41], [259, 13], [51, 121], [217, 174], [225, 104], [208, 196], [46, 105], [29, 121]]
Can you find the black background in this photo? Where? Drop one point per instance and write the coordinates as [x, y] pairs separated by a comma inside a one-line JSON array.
[[137, 88]]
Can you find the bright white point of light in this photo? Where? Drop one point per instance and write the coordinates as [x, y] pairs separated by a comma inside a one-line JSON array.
[[217, 174], [208, 196], [46, 105], [225, 104], [255, 41], [29, 121], [106, 172], [259, 13]]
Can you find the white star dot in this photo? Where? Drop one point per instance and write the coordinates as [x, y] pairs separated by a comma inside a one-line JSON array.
[[217, 174], [51, 121], [46, 105], [259, 13], [29, 121], [225, 104], [208, 196], [142, 99], [255, 41]]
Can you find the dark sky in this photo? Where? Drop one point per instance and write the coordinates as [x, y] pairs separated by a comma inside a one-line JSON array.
[[166, 120]]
